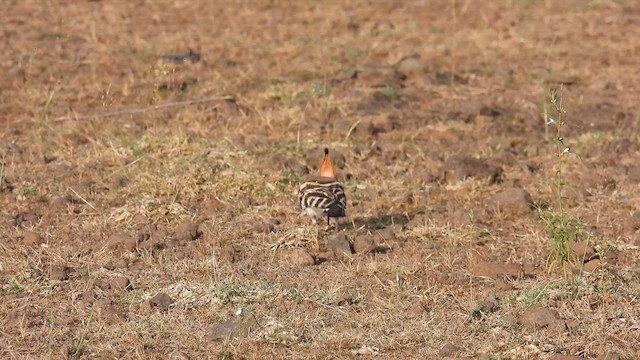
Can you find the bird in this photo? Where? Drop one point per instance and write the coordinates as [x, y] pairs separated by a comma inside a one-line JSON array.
[[323, 196]]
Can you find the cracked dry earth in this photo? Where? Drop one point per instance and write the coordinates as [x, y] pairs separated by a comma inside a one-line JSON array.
[[148, 193]]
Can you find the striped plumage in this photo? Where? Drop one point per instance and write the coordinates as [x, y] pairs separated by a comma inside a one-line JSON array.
[[323, 196]]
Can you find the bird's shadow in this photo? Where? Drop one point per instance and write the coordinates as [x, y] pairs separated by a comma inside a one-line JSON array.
[[381, 221]]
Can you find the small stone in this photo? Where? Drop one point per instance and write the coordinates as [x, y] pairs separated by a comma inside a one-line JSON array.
[[449, 350], [214, 205], [592, 265], [514, 200], [381, 124], [107, 311], [503, 284], [583, 249], [88, 297], [228, 254], [633, 174], [461, 168], [122, 243], [120, 284], [139, 219], [384, 236], [538, 317], [379, 76], [571, 324], [147, 307], [102, 284], [121, 263], [60, 272], [161, 301], [489, 269], [418, 308], [186, 231], [611, 256], [224, 329], [340, 246], [145, 231], [487, 306], [152, 245], [363, 244], [118, 182], [295, 167], [489, 111], [239, 327], [410, 65], [31, 238], [509, 320], [267, 226], [484, 307], [301, 257], [159, 235]]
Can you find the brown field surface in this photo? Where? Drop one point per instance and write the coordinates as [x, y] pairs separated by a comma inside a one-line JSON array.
[[148, 195]]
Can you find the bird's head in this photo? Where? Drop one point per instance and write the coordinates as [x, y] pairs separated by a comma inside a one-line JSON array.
[[326, 168]]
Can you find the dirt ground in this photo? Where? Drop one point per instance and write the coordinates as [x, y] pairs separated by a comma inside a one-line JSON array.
[[148, 195]]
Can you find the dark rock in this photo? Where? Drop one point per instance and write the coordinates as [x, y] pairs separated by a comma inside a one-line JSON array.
[[633, 174], [186, 231], [537, 317], [228, 254], [267, 226], [122, 243], [31, 238], [161, 301], [493, 270], [583, 249], [301, 257], [60, 272], [239, 327], [340, 246], [363, 244], [592, 265], [457, 169], [513, 200], [449, 350], [379, 76], [410, 66], [485, 307], [120, 284]]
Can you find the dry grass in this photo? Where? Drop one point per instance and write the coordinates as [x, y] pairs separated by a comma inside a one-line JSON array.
[[100, 136]]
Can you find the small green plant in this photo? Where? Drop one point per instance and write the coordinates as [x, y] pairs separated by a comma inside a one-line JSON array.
[[562, 227], [77, 347], [554, 119], [319, 90], [391, 92], [563, 230], [26, 191]]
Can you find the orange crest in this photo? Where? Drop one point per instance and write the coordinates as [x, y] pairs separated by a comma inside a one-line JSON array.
[[327, 169]]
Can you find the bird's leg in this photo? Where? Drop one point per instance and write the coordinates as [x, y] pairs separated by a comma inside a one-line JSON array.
[[317, 231], [337, 226]]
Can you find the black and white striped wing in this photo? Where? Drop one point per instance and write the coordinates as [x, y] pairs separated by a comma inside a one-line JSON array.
[[323, 197]]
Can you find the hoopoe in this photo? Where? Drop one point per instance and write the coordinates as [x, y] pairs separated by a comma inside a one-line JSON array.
[[323, 196]]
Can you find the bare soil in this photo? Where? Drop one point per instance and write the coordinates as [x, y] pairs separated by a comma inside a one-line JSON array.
[[148, 202]]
